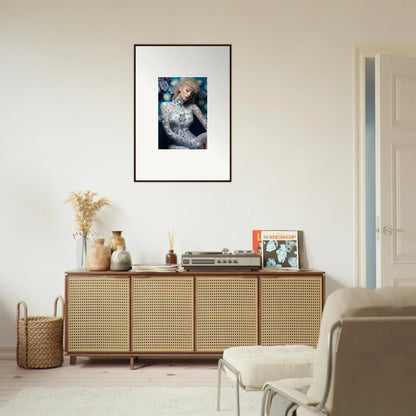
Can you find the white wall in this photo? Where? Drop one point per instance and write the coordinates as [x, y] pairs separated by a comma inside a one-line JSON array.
[[66, 88]]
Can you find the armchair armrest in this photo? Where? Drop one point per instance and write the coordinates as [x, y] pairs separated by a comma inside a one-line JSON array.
[[292, 390]]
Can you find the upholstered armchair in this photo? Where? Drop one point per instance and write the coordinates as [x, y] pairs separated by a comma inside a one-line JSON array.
[[365, 362]]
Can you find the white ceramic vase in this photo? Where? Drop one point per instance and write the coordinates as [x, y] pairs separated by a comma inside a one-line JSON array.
[[120, 259]]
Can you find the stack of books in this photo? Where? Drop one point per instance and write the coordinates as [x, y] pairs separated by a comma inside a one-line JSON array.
[[155, 268]]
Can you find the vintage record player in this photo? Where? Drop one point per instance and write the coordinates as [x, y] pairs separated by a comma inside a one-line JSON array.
[[221, 260]]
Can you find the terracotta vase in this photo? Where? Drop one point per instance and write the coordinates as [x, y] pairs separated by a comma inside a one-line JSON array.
[[98, 256], [120, 259], [116, 240]]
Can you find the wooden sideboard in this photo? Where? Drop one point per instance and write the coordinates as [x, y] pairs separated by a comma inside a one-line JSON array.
[[189, 313]]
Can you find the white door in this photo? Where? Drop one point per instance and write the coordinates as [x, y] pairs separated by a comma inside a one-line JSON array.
[[396, 169]]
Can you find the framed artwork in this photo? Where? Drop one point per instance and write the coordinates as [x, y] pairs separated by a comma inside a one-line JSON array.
[[182, 113]]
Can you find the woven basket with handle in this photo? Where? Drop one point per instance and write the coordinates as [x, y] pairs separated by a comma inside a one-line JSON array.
[[39, 338]]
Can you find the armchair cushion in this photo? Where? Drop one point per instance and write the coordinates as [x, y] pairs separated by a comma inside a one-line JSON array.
[[258, 363]]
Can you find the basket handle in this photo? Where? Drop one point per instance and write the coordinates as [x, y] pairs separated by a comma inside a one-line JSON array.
[[56, 306], [21, 303]]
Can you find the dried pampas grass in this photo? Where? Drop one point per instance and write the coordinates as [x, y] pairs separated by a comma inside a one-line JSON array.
[[85, 210]]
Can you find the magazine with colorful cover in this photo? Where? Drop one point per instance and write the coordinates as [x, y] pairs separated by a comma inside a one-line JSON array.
[[257, 241], [278, 248]]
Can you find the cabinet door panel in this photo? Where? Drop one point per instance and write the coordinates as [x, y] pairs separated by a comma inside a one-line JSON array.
[[162, 314], [226, 312], [291, 309], [97, 314]]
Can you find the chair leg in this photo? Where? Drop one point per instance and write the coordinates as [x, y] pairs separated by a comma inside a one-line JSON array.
[[219, 383], [221, 365], [264, 401], [237, 389]]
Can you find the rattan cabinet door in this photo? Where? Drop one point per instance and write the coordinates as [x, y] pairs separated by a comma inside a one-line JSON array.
[[162, 314], [226, 312], [97, 314], [290, 310]]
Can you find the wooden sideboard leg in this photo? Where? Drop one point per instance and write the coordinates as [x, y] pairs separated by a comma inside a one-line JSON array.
[[132, 363], [72, 360]]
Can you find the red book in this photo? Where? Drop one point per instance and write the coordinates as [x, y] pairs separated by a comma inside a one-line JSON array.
[[257, 241]]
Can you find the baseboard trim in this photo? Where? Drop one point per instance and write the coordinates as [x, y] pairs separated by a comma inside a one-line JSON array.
[[7, 352]]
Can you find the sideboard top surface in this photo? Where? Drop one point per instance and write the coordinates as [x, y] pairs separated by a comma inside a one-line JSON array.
[[261, 272]]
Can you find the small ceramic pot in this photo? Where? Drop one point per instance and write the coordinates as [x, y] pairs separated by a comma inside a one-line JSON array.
[[116, 240], [120, 259]]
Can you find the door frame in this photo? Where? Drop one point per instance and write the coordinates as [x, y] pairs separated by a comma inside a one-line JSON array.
[[360, 242]]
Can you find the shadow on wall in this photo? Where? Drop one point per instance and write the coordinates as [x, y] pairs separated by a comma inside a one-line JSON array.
[[331, 285], [8, 325]]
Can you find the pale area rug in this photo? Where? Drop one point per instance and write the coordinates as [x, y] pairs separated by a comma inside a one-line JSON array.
[[129, 401]]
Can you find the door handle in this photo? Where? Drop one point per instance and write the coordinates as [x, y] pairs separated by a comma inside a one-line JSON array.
[[389, 231]]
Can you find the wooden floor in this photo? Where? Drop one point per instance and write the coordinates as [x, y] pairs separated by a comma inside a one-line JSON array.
[[109, 372]]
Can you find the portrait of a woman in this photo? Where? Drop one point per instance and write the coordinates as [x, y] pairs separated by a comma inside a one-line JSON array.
[[184, 125]]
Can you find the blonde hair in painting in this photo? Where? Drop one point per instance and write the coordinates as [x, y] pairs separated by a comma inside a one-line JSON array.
[[191, 83]]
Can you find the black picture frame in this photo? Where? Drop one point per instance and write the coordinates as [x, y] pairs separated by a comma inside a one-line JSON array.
[[167, 148]]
